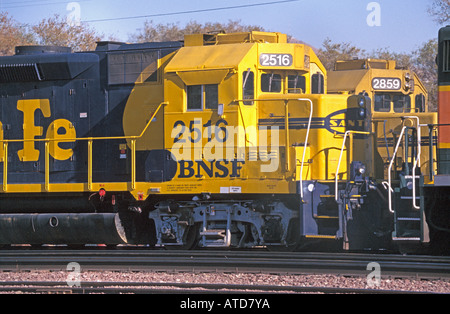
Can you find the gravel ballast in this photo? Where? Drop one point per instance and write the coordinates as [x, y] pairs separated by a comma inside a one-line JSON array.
[[400, 284]]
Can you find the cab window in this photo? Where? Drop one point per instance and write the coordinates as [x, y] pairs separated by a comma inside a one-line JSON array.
[[296, 84], [385, 103], [402, 103], [271, 83], [382, 102]]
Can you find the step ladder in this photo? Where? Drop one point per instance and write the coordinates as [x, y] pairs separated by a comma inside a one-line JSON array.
[[407, 218], [406, 209]]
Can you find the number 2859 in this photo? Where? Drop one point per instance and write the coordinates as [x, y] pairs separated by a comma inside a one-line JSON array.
[[386, 83]]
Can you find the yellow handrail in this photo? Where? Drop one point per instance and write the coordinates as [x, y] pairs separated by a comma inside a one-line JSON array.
[[5, 167], [90, 140], [286, 123]]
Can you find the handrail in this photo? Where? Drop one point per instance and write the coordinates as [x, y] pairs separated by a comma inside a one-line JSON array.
[[286, 100], [340, 159], [390, 167], [130, 137], [90, 140], [417, 161]]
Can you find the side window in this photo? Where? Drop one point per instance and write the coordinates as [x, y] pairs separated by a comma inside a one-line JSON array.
[[248, 86], [317, 84], [271, 83], [211, 96], [382, 102], [194, 97], [420, 103], [296, 84], [201, 97]]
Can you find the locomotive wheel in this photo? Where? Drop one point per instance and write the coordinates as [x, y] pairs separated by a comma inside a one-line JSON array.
[[292, 239], [190, 240]]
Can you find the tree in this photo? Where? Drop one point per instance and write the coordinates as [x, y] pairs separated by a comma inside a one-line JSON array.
[[12, 34], [440, 11], [332, 52], [402, 60], [56, 31], [425, 67], [172, 31]]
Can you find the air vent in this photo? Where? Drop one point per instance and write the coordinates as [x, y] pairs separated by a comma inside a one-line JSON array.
[[33, 50], [19, 73]]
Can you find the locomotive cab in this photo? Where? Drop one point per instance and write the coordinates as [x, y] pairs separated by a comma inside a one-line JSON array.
[[220, 91]]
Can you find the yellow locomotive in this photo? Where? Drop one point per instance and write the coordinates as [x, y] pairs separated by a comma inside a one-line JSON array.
[[226, 100], [227, 140], [395, 93]]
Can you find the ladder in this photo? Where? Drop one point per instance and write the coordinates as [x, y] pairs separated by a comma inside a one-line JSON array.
[[404, 199]]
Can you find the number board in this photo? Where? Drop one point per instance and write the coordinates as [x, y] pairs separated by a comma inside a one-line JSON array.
[[275, 59], [386, 83]]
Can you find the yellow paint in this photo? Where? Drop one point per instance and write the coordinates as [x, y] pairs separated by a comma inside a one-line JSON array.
[[53, 133], [30, 130], [443, 145]]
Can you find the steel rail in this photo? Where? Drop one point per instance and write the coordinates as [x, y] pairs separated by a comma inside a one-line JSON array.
[[236, 261], [181, 288]]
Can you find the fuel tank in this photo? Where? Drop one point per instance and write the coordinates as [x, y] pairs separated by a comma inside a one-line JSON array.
[[83, 228]]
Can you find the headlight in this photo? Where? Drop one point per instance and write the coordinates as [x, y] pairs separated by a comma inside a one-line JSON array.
[[362, 169], [361, 102]]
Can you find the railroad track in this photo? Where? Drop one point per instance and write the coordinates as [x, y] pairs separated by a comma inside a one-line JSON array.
[[47, 287], [352, 264]]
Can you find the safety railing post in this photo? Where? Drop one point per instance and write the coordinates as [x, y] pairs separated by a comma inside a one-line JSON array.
[[47, 166], [133, 164], [5, 166], [90, 164]]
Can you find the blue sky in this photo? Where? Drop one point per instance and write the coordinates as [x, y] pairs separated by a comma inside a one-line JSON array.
[[404, 24]]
